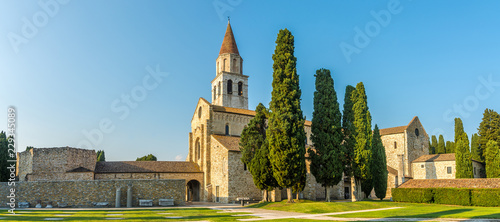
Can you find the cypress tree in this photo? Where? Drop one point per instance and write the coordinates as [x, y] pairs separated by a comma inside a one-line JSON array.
[[476, 150], [348, 130], [4, 156], [286, 133], [379, 167], [463, 158], [450, 147], [100, 155], [489, 128], [492, 157], [362, 134], [260, 169], [434, 144], [326, 158], [440, 147]]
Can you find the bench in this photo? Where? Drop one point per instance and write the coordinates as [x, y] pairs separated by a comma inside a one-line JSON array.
[[145, 203], [23, 205], [101, 204], [242, 199], [166, 202]]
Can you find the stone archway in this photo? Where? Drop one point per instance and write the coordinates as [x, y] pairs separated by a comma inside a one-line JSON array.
[[193, 190]]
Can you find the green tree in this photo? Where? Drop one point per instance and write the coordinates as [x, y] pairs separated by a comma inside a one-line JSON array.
[[489, 128], [476, 150], [101, 156], [363, 133], [149, 157], [286, 133], [379, 166], [450, 147], [463, 157], [28, 148], [434, 144], [255, 151], [348, 129], [441, 147], [4, 156], [326, 157], [492, 158]]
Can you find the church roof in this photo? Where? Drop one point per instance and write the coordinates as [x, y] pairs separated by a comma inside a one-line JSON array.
[[397, 129], [246, 112], [436, 157], [231, 143], [392, 170], [146, 167], [229, 44]]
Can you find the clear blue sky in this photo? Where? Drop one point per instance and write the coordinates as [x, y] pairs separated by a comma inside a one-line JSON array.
[[84, 56]]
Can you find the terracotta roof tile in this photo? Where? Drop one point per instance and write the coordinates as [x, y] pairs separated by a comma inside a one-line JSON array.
[[231, 143], [393, 130], [454, 183], [146, 167], [436, 157], [229, 44], [392, 170], [247, 112]]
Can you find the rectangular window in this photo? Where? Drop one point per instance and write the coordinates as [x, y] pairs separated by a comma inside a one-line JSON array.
[[448, 170], [244, 167], [422, 166]]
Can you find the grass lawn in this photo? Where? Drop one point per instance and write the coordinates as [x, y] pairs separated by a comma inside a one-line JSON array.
[[410, 209]]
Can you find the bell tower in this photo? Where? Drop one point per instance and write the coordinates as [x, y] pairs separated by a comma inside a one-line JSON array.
[[230, 86]]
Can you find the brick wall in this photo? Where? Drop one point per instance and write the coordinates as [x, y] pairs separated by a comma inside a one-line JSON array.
[[84, 193]]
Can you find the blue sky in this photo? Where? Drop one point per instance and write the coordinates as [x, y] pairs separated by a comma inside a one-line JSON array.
[[68, 66]]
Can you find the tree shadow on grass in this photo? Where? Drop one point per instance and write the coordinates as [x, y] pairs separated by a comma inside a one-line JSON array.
[[438, 214], [489, 216]]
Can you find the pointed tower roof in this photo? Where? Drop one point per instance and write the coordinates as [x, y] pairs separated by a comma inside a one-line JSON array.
[[229, 44]]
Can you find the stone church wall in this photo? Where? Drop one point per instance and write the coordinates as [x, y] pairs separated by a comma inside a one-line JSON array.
[[417, 145], [391, 153], [84, 193], [236, 123], [219, 165], [240, 180]]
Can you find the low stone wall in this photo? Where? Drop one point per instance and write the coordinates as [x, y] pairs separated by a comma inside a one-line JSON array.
[[84, 193]]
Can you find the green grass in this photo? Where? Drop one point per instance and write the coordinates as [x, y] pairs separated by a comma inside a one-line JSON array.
[[409, 210]]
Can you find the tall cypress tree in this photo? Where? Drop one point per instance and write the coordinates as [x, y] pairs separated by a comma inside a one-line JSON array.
[[450, 147], [489, 128], [434, 144], [476, 150], [286, 133], [379, 166], [440, 147], [255, 152], [362, 135], [492, 157], [101, 156], [348, 129], [463, 158], [326, 158]]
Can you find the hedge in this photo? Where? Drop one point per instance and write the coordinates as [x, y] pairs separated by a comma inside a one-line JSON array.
[[413, 195], [485, 197], [452, 196]]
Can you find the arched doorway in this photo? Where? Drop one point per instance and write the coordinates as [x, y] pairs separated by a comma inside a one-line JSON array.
[[193, 191]]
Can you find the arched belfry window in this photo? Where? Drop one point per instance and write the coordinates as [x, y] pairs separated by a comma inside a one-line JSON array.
[[241, 66], [219, 89], [227, 129], [224, 65], [229, 86], [240, 88], [235, 66]]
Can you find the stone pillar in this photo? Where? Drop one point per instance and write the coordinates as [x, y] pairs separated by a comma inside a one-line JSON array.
[[118, 197], [129, 196]]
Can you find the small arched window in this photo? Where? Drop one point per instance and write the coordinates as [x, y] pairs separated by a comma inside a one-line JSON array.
[[395, 145], [199, 112], [230, 86], [219, 89], [227, 129], [416, 132], [240, 88], [235, 66], [198, 149], [215, 92], [224, 65]]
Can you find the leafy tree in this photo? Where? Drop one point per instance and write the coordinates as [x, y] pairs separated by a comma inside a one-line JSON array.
[[440, 147], [434, 144], [255, 151], [348, 129], [149, 157], [363, 137], [492, 159], [101, 156], [489, 128], [326, 158], [463, 157], [450, 147], [379, 166], [286, 133], [476, 150]]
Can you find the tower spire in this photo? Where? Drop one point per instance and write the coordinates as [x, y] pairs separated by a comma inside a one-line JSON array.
[[229, 44]]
